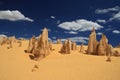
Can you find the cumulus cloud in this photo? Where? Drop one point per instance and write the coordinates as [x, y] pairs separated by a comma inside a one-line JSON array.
[[80, 25], [79, 39], [71, 32], [99, 33], [13, 15], [101, 21], [75, 39], [116, 31], [115, 16], [115, 12], [2, 35], [53, 17], [102, 11]]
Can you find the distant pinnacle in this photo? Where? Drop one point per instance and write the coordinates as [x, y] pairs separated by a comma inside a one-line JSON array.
[[45, 29], [93, 30], [103, 35]]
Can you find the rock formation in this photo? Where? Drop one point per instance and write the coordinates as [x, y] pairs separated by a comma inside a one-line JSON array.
[[109, 50], [12, 39], [59, 41], [50, 45], [82, 48], [116, 53], [42, 48], [31, 45], [20, 43], [92, 44], [73, 46], [99, 48], [10, 44], [103, 45], [108, 59], [2, 40], [8, 40], [66, 47]]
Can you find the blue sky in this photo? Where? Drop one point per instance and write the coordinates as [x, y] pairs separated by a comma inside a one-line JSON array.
[[64, 19]]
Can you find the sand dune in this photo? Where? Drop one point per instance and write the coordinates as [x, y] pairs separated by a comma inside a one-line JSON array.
[[15, 64]]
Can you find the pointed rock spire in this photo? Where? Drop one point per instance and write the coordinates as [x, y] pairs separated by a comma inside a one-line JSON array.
[[92, 44], [73, 46], [59, 41], [99, 48], [93, 30], [50, 45], [31, 45], [42, 48], [82, 48], [66, 48], [103, 45]]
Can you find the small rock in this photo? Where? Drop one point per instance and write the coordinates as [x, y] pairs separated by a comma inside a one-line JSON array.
[[108, 59]]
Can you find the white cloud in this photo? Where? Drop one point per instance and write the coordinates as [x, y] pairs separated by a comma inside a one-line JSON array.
[[102, 11], [108, 29], [81, 25], [115, 12], [99, 33], [71, 32], [53, 17], [115, 16], [116, 31], [2, 35], [101, 21], [13, 15], [77, 39]]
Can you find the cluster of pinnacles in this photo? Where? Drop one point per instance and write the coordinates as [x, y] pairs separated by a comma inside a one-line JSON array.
[[40, 47], [99, 48], [9, 41], [68, 46]]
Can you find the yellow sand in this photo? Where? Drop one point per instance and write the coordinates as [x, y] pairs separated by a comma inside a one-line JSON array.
[[15, 64]]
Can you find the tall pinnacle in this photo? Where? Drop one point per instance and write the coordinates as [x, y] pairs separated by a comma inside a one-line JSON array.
[[93, 30]]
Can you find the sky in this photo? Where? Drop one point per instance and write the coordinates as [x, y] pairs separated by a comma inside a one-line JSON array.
[[73, 19]]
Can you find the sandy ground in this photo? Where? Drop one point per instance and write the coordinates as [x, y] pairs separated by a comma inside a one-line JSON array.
[[16, 65]]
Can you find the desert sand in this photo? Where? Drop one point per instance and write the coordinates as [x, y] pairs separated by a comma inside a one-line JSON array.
[[15, 64]]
